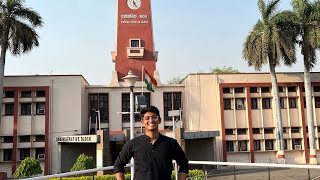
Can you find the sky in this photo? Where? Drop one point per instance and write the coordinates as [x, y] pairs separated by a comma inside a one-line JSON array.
[[191, 36]]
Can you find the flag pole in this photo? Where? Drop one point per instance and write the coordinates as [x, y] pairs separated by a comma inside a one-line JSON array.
[[142, 82]]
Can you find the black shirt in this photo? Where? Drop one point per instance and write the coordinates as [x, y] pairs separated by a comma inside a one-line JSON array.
[[152, 161]]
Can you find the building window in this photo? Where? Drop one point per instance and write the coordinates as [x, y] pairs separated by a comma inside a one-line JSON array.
[[242, 145], [285, 143], [7, 139], [135, 43], [9, 94], [101, 101], [171, 101], [292, 89], [269, 144], [296, 144], [280, 88], [229, 132], [240, 103], [295, 129], [254, 103], [25, 94], [25, 108], [253, 89], [24, 153], [238, 90], [227, 104], [316, 88], [24, 138], [256, 131], [317, 102], [265, 89], [241, 131], [41, 93], [230, 146], [7, 155], [268, 130], [104, 106], [282, 103], [126, 106], [40, 138], [284, 130], [292, 102], [39, 153], [266, 103], [257, 145], [40, 108], [226, 91], [9, 109]]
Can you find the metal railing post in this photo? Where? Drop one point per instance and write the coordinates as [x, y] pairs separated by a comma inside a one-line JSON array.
[[269, 173], [234, 173], [309, 174], [176, 169]]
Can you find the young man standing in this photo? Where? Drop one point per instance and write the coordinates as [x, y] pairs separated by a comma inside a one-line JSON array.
[[153, 152]]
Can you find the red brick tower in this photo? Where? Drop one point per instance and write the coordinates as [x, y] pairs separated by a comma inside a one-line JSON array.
[[134, 44]]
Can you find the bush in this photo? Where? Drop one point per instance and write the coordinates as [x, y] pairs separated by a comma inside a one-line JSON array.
[[104, 177], [83, 162], [30, 166], [196, 173]]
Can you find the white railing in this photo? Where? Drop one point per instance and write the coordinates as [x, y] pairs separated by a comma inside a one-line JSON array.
[[302, 166], [232, 164]]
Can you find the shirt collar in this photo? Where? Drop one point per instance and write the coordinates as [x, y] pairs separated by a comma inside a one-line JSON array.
[[149, 139]]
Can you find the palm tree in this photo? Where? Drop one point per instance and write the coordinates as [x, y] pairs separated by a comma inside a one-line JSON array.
[[269, 42], [308, 24], [17, 33]]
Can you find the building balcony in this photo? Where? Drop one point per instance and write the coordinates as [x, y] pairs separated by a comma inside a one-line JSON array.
[[135, 52]]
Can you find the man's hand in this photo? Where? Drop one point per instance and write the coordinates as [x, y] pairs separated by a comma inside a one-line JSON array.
[[119, 176], [182, 176]]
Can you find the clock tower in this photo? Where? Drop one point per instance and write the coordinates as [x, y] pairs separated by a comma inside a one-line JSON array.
[[134, 43]]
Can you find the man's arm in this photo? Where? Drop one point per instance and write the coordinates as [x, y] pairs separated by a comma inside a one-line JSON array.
[[182, 176], [182, 161], [120, 176], [122, 159]]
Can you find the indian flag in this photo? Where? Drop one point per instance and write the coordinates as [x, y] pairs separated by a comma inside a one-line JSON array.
[[150, 81]]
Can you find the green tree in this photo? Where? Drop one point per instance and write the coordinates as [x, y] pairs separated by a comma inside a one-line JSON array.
[[29, 167], [175, 80], [83, 162], [17, 32], [224, 69], [269, 42], [308, 25]]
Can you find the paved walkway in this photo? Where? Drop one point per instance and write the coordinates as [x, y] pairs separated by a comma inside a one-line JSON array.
[[262, 174]]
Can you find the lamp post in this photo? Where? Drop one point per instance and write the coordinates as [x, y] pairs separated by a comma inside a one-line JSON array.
[[131, 79]]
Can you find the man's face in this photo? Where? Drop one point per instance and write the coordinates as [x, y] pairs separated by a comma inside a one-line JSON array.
[[150, 121]]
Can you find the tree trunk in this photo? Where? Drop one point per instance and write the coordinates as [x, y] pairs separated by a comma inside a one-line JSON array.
[[277, 110], [309, 109]]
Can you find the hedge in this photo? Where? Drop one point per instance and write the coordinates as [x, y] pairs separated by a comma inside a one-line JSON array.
[[196, 173]]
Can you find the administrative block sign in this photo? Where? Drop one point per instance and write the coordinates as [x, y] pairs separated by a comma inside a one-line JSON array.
[[78, 139]]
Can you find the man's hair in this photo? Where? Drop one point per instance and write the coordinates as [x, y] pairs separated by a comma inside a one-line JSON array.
[[152, 109]]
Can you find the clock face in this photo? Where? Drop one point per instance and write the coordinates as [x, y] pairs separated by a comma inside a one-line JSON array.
[[134, 4]]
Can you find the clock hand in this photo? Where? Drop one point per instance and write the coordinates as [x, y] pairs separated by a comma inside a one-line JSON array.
[[134, 3]]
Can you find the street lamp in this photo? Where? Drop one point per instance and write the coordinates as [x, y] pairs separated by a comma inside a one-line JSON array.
[[131, 79]]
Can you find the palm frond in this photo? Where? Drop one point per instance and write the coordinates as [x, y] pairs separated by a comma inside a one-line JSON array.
[[31, 16], [271, 7], [22, 38]]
